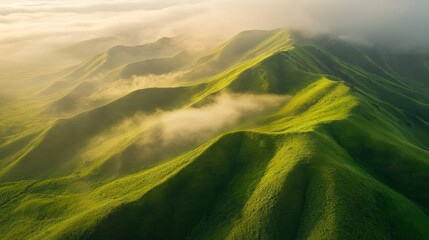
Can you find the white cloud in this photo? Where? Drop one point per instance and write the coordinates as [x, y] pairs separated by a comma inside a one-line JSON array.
[[34, 27], [166, 134], [180, 130]]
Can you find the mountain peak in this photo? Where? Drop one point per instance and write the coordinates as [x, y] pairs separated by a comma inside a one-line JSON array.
[[271, 135]]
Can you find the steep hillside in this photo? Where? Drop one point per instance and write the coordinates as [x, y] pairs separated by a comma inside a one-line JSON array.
[[244, 46], [279, 136]]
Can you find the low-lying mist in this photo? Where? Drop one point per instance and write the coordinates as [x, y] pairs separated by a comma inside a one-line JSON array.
[[170, 133], [112, 90], [100, 90]]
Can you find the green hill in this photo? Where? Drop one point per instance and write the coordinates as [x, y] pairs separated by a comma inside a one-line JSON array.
[[343, 155], [246, 45]]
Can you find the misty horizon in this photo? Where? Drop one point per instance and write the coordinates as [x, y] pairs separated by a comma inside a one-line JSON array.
[[214, 119], [34, 29]]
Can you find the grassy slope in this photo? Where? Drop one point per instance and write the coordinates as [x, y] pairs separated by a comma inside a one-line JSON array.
[[345, 158], [245, 46]]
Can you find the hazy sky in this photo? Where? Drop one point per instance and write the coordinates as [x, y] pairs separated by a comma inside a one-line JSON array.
[[31, 28]]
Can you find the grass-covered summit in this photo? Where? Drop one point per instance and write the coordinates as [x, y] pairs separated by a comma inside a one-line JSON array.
[[304, 138]]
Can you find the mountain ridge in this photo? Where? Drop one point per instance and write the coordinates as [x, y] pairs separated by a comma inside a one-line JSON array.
[[345, 157]]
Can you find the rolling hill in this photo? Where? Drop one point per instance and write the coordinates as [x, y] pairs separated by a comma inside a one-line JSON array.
[[104, 62], [272, 135]]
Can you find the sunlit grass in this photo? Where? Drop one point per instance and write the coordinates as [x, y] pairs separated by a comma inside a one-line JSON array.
[[345, 157]]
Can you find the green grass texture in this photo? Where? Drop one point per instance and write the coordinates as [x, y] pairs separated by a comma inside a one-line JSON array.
[[345, 156]]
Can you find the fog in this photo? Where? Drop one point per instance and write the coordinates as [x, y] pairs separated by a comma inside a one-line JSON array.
[[106, 91], [177, 131], [39, 29], [166, 134]]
